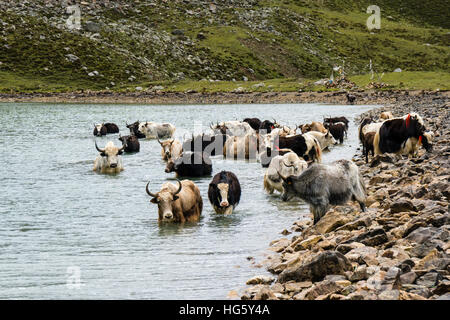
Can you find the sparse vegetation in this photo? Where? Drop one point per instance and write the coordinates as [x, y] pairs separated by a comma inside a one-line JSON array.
[[182, 46]]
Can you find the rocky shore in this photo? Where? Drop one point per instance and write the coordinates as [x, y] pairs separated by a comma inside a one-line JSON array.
[[398, 250], [193, 97]]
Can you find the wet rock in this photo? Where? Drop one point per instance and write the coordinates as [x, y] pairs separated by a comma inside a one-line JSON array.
[[260, 280], [445, 296], [330, 262], [265, 294]]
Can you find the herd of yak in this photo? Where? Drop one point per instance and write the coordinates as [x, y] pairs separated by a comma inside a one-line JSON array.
[[293, 160]]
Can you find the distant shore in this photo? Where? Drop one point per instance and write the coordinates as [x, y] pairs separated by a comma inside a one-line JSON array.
[[334, 97]]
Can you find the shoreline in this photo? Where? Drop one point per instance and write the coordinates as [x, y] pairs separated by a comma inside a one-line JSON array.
[[399, 249], [330, 97]]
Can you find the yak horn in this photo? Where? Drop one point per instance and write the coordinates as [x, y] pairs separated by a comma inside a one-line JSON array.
[[159, 141], [148, 191], [98, 149], [179, 188], [288, 165]]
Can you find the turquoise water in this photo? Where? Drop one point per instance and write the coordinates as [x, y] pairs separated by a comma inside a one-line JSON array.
[[60, 221]]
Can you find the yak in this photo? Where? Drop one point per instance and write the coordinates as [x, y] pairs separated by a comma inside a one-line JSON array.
[[182, 204], [323, 185], [224, 192], [103, 129], [131, 143], [109, 160], [190, 164]]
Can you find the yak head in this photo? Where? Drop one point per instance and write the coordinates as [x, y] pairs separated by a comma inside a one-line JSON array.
[[288, 188], [100, 129], [166, 146], [111, 154], [416, 128], [166, 200], [329, 138]]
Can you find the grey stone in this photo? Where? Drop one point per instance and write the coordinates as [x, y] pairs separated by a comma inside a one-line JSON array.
[[326, 263]]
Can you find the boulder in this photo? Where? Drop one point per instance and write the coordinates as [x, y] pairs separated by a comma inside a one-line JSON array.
[[329, 262], [331, 221], [402, 205]]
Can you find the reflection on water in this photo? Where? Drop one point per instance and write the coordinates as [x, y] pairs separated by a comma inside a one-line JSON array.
[[56, 213]]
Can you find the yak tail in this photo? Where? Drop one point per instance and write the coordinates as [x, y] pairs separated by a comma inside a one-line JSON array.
[[376, 143], [267, 185]]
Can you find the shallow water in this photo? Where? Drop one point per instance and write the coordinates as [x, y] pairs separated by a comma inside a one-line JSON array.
[[59, 220]]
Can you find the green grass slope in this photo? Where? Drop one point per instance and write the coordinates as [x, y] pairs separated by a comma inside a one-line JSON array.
[[126, 44]]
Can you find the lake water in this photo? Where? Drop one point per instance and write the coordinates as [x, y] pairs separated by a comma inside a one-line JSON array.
[[60, 221]]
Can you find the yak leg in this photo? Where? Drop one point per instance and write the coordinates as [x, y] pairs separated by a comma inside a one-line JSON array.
[[318, 210]]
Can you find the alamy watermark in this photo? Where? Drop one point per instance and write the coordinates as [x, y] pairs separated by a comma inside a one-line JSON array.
[[73, 277], [374, 20]]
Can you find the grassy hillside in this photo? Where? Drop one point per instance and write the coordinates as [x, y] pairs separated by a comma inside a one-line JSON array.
[[127, 44]]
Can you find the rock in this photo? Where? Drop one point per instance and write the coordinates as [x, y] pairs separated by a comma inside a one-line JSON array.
[[178, 32], [402, 205], [375, 281], [422, 234], [297, 286], [92, 27], [442, 287], [346, 247], [362, 222], [260, 280], [381, 178], [445, 296], [360, 273], [319, 289], [72, 57], [403, 295], [429, 279], [391, 279], [201, 36], [233, 295], [389, 295], [406, 265], [330, 222], [362, 255], [408, 278], [265, 294], [307, 243], [329, 262], [372, 237], [418, 290]]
